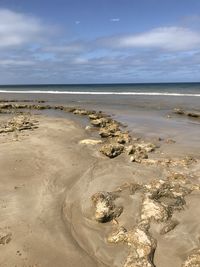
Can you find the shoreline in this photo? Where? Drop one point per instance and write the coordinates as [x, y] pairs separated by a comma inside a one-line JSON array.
[[86, 190]]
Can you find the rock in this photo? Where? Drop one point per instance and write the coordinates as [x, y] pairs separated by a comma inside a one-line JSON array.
[[102, 122], [120, 235], [109, 130], [6, 106], [122, 137], [105, 209], [141, 246], [140, 151], [96, 116], [69, 109], [148, 147], [90, 142], [112, 150], [179, 111], [193, 114], [139, 155], [193, 260], [130, 149], [80, 112], [153, 210]]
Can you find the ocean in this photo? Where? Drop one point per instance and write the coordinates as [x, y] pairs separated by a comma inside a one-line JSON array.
[[151, 89], [143, 107]]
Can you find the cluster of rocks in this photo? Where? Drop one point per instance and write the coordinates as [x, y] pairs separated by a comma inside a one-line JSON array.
[[19, 123], [109, 130], [169, 162], [139, 151], [193, 114], [115, 140], [160, 199], [141, 246]]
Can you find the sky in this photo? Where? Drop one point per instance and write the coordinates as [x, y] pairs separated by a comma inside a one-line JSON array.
[[99, 41]]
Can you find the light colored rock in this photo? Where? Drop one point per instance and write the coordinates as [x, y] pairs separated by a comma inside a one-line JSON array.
[[153, 210], [95, 116], [80, 112], [90, 142], [141, 246], [102, 122], [105, 209], [19, 123], [193, 259], [120, 235]]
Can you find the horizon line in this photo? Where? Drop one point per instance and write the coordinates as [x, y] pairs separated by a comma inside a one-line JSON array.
[[88, 84]]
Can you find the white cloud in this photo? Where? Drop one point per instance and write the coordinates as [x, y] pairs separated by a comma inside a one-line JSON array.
[[77, 22], [115, 19], [17, 29], [169, 38]]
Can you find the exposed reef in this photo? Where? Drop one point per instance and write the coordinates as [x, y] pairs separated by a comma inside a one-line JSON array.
[[19, 123], [160, 199]]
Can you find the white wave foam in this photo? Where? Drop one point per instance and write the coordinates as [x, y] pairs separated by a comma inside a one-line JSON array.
[[98, 93]]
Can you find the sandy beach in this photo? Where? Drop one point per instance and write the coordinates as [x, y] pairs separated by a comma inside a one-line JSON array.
[[80, 188]]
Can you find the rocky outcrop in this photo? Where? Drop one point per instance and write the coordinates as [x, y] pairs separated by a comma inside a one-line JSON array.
[[112, 150], [19, 123], [122, 137], [105, 209], [193, 259], [154, 210], [109, 130], [100, 122], [81, 112], [141, 246], [161, 198], [139, 151], [194, 114], [138, 155]]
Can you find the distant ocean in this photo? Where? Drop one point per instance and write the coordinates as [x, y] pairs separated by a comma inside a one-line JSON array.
[[151, 89]]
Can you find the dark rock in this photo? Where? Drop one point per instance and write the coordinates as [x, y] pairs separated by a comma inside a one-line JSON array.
[[112, 150]]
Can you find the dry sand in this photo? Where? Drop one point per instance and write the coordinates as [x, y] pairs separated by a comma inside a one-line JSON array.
[[47, 179]]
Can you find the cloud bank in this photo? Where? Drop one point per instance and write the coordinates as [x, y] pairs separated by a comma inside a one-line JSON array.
[[29, 54], [167, 38]]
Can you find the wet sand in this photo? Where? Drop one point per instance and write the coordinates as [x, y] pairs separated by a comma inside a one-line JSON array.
[[48, 178]]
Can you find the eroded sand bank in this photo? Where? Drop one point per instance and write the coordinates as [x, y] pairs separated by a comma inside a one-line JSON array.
[[48, 216]]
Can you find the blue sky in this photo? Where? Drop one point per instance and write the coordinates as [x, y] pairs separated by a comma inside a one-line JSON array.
[[99, 41]]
